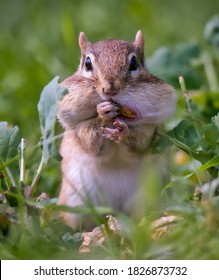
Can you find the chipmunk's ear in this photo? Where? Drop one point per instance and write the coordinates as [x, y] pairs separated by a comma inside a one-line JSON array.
[[139, 46], [139, 40], [83, 42]]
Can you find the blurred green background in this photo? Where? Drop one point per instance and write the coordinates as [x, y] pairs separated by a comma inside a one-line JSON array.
[[38, 40]]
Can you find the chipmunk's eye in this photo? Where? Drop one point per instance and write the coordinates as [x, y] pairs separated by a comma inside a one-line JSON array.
[[133, 64], [88, 64]]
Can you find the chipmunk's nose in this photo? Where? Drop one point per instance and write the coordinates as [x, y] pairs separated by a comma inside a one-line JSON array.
[[109, 90], [111, 87]]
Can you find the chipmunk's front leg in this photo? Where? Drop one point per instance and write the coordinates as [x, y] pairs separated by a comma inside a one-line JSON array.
[[118, 134], [113, 128]]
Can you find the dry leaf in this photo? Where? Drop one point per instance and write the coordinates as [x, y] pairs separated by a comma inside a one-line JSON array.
[[93, 239], [162, 226]]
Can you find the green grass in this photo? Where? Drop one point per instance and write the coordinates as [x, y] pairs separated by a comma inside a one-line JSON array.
[[38, 43]]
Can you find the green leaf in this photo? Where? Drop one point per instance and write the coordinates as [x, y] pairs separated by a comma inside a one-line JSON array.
[[210, 138], [190, 138], [211, 32], [211, 163], [9, 142], [167, 62], [177, 181], [47, 107], [160, 145], [198, 155], [100, 210], [186, 133]]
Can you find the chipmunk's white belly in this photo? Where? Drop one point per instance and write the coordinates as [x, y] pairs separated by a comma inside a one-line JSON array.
[[107, 180]]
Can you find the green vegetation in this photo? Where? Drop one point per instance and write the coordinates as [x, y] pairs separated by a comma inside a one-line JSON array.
[[39, 42]]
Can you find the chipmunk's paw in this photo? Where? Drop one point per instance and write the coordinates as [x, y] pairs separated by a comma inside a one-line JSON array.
[[118, 134], [107, 111]]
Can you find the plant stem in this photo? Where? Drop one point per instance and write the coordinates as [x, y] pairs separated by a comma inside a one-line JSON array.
[[188, 102], [37, 175], [210, 71], [9, 179], [22, 165], [189, 108]]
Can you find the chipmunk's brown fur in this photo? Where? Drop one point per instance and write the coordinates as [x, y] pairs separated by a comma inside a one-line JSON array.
[[102, 149]]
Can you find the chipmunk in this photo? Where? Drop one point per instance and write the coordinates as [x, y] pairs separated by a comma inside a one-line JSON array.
[[110, 116]]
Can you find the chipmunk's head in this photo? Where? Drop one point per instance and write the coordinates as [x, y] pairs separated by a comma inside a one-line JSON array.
[[111, 63]]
